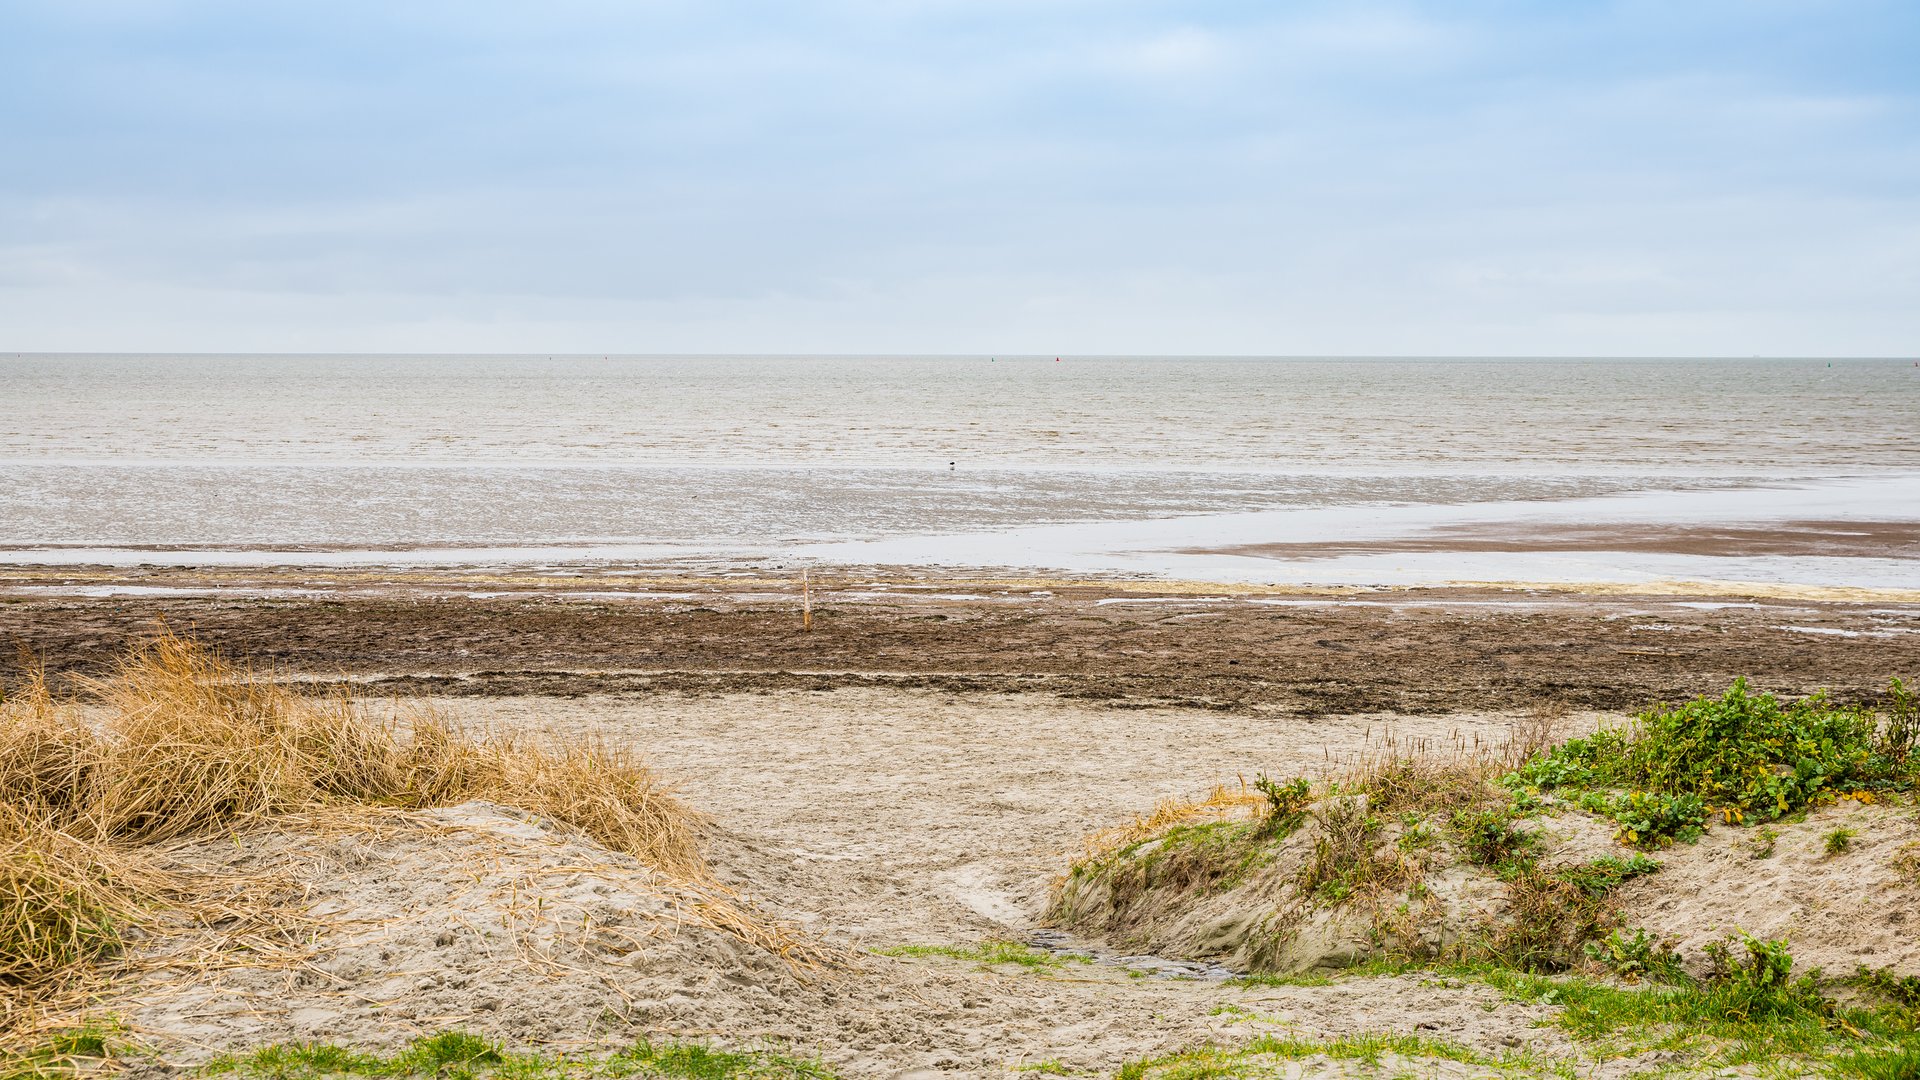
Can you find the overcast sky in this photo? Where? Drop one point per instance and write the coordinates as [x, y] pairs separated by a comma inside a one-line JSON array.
[[1667, 177]]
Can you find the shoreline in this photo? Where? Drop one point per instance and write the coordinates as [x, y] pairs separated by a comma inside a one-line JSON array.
[[1858, 537], [773, 581]]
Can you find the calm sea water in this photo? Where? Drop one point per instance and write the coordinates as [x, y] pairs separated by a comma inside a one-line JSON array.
[[381, 451]]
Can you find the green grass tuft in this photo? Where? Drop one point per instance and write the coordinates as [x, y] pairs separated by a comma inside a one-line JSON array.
[[1899, 1064], [987, 952], [456, 1055]]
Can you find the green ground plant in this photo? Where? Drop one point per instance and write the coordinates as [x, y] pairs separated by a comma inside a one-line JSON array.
[[1839, 841], [456, 1055], [61, 1053], [1708, 1021], [1752, 978], [1897, 1064], [1637, 955], [1258, 1057], [1740, 757], [987, 952], [1287, 802], [1901, 991]]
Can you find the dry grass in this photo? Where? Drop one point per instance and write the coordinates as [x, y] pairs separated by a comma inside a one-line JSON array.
[[183, 743], [1222, 803], [176, 743], [63, 900], [1369, 827]]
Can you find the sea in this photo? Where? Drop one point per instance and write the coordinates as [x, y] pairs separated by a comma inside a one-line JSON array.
[[1077, 463]]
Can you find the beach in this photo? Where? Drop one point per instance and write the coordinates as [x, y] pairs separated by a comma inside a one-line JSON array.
[[903, 785], [1041, 756]]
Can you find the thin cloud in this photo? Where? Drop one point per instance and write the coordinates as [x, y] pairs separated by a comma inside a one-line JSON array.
[[942, 176]]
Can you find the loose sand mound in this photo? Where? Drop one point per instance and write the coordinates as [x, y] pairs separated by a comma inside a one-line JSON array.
[[475, 916]]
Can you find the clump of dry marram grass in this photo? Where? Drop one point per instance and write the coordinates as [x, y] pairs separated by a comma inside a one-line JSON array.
[[184, 742], [176, 742], [62, 899]]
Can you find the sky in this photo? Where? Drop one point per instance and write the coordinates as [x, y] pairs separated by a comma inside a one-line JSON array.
[[1709, 177]]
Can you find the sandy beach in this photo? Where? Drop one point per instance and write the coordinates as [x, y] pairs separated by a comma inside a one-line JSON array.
[[905, 785]]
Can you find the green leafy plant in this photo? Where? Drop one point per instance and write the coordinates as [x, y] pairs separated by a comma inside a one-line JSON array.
[[1577, 763], [1840, 840], [1606, 873], [1753, 756], [1739, 757], [1650, 819], [1760, 844], [1753, 979], [1287, 803], [1637, 955], [1418, 836]]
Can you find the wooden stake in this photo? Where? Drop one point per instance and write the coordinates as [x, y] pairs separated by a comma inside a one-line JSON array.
[[806, 602]]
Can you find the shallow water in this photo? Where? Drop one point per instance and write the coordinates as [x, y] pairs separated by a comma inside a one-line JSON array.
[[587, 457]]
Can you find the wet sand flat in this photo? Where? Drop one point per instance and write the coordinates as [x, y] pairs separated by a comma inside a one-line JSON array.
[[1835, 539], [1120, 643]]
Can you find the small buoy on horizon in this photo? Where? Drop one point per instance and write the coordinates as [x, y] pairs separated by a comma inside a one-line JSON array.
[[950, 466]]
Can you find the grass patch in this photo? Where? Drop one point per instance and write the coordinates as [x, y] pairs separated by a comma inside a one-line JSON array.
[[63, 900], [60, 1053], [1902, 1063], [1371, 837], [987, 952], [1221, 802], [1373, 968], [1259, 1057], [1751, 1010], [455, 1055]]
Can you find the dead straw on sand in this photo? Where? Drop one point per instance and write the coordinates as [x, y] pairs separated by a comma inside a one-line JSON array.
[[176, 743]]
